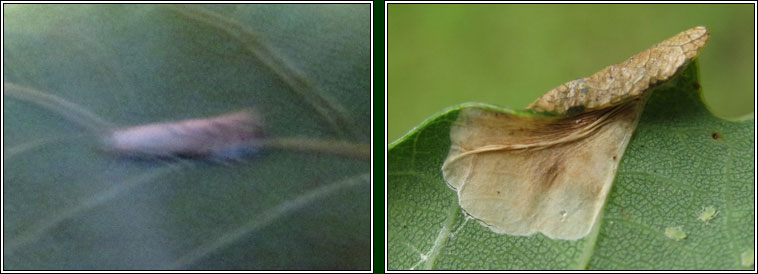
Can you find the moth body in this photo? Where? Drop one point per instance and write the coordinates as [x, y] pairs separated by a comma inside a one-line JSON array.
[[223, 137]]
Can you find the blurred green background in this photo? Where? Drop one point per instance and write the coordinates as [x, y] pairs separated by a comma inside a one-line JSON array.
[[510, 54]]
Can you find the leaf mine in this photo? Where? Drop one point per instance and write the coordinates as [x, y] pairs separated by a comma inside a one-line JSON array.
[[522, 174]]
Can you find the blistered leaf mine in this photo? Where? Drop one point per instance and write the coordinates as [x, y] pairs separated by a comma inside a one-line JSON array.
[[519, 174]]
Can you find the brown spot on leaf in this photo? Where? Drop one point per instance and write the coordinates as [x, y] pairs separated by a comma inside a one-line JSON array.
[[716, 136]]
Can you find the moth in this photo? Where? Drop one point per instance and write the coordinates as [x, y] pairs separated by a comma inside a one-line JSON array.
[[226, 136], [223, 137], [521, 174]]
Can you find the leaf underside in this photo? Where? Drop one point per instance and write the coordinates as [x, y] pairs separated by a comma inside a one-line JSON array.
[[680, 160]]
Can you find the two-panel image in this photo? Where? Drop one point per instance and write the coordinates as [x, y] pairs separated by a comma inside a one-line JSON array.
[[377, 137]]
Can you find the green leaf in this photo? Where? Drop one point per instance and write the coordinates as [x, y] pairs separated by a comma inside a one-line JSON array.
[[681, 160], [71, 70]]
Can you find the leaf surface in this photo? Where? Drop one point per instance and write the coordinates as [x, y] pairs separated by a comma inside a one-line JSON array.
[[680, 160], [70, 205]]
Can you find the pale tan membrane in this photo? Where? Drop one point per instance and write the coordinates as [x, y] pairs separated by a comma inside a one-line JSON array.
[[519, 174], [543, 176], [583, 127]]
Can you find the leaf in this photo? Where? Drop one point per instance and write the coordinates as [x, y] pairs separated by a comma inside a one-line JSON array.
[[68, 204], [681, 159], [521, 174]]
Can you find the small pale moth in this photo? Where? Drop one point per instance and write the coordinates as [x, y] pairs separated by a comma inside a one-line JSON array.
[[223, 137], [675, 233], [521, 174], [708, 213]]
